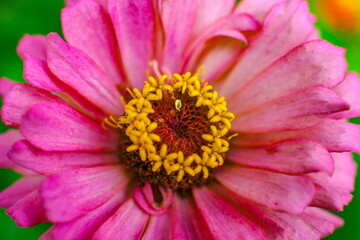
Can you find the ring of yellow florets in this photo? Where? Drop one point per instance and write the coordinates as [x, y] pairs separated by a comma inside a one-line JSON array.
[[140, 129]]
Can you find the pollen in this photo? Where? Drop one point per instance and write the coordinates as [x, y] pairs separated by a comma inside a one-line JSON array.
[[177, 129]]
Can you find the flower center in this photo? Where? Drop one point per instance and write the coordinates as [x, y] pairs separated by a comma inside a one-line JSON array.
[[174, 130]]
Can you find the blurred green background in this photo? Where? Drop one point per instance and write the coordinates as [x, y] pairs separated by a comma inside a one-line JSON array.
[[18, 17]]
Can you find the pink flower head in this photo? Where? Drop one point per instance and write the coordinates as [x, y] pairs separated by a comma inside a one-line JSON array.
[[166, 119]]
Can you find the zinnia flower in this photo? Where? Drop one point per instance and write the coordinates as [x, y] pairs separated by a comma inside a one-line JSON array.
[[181, 120]]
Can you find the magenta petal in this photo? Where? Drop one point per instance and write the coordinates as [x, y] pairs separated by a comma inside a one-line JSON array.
[[187, 222], [7, 139], [28, 211], [34, 45], [134, 23], [76, 69], [281, 33], [273, 190], [223, 220], [129, 222], [158, 228], [297, 111], [59, 127], [252, 7], [322, 64], [47, 163], [182, 15], [295, 157], [19, 189], [71, 194], [5, 85], [349, 90], [84, 227], [87, 27], [20, 97]]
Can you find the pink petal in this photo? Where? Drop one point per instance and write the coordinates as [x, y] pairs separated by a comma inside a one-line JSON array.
[[327, 195], [59, 127], [129, 222], [334, 135], [28, 211], [38, 74], [87, 27], [311, 224], [7, 139], [85, 226], [349, 90], [345, 171], [20, 98], [296, 111], [322, 64], [19, 189], [144, 198], [223, 220], [71, 194], [209, 12], [34, 45], [158, 228], [250, 210], [252, 7], [5, 85], [295, 157], [182, 15], [134, 23], [187, 222], [47, 163], [276, 191], [77, 70], [281, 33]]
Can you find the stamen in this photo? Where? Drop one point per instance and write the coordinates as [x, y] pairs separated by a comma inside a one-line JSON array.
[[157, 133]]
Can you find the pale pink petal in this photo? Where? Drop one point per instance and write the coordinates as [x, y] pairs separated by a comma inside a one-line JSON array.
[[223, 220], [187, 222], [281, 33], [73, 193], [327, 195], [252, 7], [334, 135], [144, 198], [134, 23], [76, 69], [182, 15], [47, 163], [297, 111], [28, 211], [87, 27], [209, 12], [273, 190], [47, 235], [59, 127], [20, 97], [295, 157], [19, 189], [345, 171], [5, 85], [349, 90], [309, 225], [129, 222], [158, 228], [34, 45], [84, 227], [322, 64]]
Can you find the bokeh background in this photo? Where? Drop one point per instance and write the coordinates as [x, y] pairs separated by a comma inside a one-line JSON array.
[[338, 22]]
